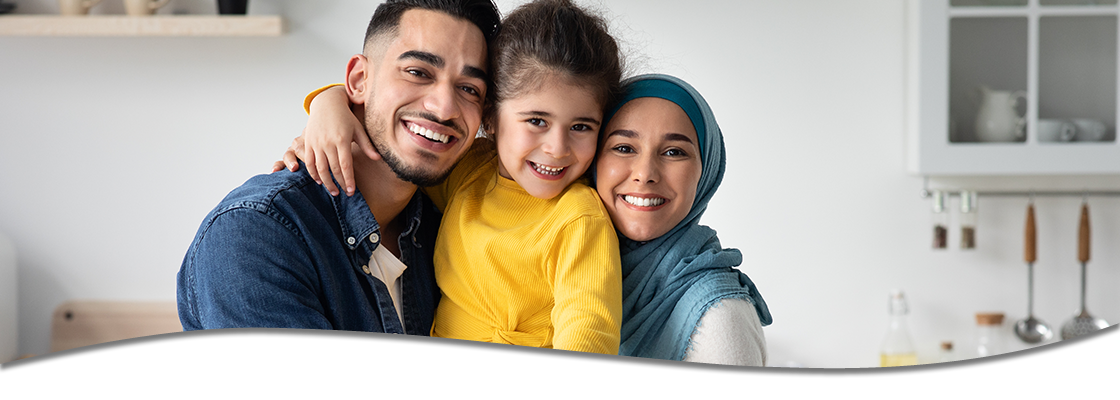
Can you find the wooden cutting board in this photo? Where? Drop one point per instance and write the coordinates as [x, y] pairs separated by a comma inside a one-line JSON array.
[[78, 323]]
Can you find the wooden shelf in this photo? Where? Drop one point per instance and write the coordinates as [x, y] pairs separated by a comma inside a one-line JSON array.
[[157, 25]]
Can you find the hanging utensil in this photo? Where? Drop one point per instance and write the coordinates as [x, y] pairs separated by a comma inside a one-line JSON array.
[[1082, 323], [1031, 330]]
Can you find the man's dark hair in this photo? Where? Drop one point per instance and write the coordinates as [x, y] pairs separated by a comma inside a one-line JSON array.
[[481, 13]]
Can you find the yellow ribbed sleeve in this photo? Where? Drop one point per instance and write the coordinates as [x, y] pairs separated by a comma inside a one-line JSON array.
[[311, 96], [520, 270]]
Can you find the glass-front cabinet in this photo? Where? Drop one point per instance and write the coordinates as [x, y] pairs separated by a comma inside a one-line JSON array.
[[1012, 87]]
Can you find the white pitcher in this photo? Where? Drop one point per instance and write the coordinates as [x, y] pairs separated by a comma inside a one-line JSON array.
[[139, 8], [76, 7], [997, 120]]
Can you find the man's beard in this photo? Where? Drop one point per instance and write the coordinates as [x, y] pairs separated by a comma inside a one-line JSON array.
[[412, 174]]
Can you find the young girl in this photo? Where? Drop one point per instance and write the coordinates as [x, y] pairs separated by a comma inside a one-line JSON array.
[[526, 253]]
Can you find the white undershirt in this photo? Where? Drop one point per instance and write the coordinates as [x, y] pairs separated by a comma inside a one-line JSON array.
[[384, 266], [730, 333]]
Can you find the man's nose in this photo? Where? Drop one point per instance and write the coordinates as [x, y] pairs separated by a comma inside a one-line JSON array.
[[440, 101]]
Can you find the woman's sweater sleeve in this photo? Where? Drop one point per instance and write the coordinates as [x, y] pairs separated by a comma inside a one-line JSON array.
[[730, 333]]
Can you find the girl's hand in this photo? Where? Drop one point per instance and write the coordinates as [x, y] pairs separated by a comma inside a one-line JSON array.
[[290, 161], [325, 146]]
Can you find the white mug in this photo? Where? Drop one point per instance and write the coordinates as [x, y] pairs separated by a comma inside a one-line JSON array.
[[1090, 130], [1056, 130], [76, 7], [143, 7]]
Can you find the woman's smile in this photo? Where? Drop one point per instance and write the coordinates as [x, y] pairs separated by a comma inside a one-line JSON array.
[[643, 202], [648, 168]]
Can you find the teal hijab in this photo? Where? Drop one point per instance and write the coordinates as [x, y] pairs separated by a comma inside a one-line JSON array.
[[669, 282]]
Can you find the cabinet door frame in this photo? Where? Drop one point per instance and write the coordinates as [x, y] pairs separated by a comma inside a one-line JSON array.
[[929, 151]]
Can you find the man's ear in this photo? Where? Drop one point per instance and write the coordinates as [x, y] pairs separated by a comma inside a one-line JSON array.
[[357, 86]]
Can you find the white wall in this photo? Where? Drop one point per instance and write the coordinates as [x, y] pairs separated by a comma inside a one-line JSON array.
[[115, 148]]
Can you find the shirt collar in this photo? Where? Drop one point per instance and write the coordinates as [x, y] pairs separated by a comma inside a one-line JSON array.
[[357, 222]]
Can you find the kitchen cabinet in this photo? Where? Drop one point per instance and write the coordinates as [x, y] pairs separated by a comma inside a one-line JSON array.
[[123, 25], [1061, 55]]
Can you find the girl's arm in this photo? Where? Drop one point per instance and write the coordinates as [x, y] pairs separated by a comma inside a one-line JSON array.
[[325, 143], [587, 314]]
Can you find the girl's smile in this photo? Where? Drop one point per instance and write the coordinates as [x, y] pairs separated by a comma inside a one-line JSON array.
[[547, 137]]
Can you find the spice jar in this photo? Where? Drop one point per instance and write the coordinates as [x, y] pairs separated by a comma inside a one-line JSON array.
[[940, 220], [946, 353], [988, 339], [968, 219]]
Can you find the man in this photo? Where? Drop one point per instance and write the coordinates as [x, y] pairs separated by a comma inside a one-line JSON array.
[[280, 251]]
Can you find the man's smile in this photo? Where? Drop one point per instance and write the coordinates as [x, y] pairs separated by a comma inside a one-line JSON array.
[[428, 133]]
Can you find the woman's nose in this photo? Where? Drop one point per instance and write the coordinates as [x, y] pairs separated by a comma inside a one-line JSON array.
[[645, 170]]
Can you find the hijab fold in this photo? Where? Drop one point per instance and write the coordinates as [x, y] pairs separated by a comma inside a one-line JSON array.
[[671, 281]]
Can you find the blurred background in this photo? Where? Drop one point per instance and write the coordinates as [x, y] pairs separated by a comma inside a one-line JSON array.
[[113, 149]]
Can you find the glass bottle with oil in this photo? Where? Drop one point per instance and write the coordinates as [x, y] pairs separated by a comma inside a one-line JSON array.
[[898, 348]]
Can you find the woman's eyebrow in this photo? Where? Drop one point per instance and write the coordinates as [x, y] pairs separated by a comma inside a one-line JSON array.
[[624, 133], [676, 137]]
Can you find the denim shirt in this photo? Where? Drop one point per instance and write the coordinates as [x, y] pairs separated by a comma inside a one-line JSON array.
[[281, 252]]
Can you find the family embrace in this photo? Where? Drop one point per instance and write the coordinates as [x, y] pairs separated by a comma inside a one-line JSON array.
[[503, 184]]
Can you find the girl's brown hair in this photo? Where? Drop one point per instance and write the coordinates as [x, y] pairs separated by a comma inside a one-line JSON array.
[[547, 38]]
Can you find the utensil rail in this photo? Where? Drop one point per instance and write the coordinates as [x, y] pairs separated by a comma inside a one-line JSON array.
[[927, 193]]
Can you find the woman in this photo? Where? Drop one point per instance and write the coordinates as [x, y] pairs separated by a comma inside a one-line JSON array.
[[661, 160]]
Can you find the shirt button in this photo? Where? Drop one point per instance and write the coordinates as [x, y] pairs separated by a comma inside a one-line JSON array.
[[350, 240], [365, 268], [374, 237]]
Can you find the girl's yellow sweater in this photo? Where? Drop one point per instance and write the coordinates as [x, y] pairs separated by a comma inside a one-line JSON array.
[[520, 270]]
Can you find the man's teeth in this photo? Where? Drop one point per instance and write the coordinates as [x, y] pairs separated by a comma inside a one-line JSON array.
[[643, 202], [547, 170], [419, 130]]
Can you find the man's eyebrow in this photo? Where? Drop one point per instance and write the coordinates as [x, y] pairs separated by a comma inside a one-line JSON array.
[[475, 72], [423, 56], [437, 61]]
